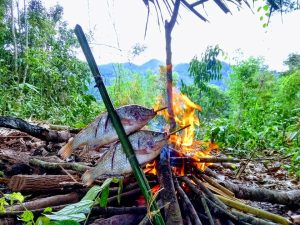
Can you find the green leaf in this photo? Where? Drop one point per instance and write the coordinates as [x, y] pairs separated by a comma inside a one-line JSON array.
[[261, 18], [47, 210], [265, 25], [42, 220], [266, 8], [27, 216], [3, 203], [79, 217], [259, 8], [15, 196], [104, 196], [95, 190]]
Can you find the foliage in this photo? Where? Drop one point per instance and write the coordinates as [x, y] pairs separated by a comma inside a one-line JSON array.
[[45, 80], [134, 88], [262, 112], [76, 212]]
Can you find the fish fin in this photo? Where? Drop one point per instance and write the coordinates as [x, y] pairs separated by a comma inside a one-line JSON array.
[[67, 149], [87, 178]]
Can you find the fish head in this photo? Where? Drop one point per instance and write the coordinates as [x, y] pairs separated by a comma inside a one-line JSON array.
[[150, 141], [136, 114]]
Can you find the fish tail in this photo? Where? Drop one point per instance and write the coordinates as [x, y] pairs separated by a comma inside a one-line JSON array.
[[67, 149], [87, 178]]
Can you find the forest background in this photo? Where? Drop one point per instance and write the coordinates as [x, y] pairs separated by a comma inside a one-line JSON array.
[[41, 79]]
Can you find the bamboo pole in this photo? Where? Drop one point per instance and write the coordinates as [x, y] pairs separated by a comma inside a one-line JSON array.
[[127, 147]]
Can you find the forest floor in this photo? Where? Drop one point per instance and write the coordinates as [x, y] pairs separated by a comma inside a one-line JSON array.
[[268, 173]]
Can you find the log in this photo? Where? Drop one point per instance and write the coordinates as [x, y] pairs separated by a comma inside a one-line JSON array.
[[37, 183], [34, 130], [203, 160], [47, 202], [167, 193], [290, 198], [123, 219]]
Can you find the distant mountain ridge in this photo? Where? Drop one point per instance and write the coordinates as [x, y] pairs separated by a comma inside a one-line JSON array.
[[109, 72]]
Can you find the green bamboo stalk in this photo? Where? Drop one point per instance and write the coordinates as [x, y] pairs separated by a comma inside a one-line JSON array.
[[127, 147]]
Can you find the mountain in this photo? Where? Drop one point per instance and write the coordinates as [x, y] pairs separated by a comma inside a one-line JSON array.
[[110, 71]]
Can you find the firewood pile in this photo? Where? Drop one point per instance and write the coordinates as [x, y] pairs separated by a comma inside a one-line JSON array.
[[185, 193]]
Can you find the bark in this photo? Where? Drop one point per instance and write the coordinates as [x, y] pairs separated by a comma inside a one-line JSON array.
[[47, 202], [168, 30], [123, 219], [13, 30], [56, 165], [290, 198], [38, 183], [167, 193], [125, 196], [34, 130], [188, 205]]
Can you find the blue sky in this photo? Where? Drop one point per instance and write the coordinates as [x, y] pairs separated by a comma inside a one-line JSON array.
[[118, 25]]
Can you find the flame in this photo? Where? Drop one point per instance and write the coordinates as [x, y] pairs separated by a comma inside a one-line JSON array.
[[151, 168], [185, 114]]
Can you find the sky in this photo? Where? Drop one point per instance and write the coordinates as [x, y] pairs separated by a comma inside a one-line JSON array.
[[118, 25]]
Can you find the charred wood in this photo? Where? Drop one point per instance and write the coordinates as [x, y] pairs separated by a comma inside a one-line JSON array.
[[168, 195], [34, 130], [188, 205]]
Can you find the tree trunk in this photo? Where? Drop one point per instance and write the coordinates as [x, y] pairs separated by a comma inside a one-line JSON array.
[[14, 38]]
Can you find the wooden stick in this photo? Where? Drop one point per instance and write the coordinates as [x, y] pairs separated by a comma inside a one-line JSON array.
[[52, 166], [208, 192], [188, 205], [161, 109], [47, 202], [204, 160], [121, 219], [206, 209], [217, 185], [214, 207], [180, 129], [167, 193], [250, 219], [255, 211]]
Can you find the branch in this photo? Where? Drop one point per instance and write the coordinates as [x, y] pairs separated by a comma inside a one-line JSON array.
[[34, 130]]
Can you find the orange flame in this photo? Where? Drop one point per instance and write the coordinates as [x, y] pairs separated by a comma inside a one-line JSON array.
[[185, 114]]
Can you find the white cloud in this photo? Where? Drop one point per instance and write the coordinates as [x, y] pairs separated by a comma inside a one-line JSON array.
[[191, 36]]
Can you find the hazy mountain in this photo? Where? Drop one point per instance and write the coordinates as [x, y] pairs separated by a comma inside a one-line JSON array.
[[110, 71]]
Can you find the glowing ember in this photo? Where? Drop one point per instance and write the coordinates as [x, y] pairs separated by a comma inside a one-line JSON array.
[[185, 114]]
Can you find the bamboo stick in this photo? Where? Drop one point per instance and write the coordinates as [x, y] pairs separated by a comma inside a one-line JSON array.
[[255, 211], [127, 147], [217, 185]]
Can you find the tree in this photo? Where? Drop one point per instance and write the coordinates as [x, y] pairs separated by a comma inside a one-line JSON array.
[[293, 62]]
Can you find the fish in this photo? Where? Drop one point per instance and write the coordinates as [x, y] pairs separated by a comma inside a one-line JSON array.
[[146, 145], [101, 131]]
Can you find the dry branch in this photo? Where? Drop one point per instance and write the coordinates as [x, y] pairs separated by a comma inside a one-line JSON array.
[[47, 202], [53, 165], [34, 130], [290, 198], [122, 219], [250, 219], [217, 185], [188, 205]]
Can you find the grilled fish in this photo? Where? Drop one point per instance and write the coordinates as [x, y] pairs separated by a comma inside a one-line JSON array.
[[146, 145], [101, 131]]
